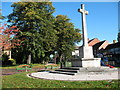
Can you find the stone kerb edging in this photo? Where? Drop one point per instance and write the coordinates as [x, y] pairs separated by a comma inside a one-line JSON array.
[[82, 77]]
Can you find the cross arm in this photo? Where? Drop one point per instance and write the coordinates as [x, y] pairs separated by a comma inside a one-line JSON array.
[[83, 11]]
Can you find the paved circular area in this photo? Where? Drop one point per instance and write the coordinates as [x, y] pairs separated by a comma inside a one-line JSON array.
[[79, 77]]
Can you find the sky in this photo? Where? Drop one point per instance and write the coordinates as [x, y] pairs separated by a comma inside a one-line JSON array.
[[102, 20]]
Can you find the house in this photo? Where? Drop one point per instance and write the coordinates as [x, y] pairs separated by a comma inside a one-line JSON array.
[[99, 48], [75, 54], [112, 51], [8, 52], [97, 45], [103, 49], [119, 36], [93, 41]]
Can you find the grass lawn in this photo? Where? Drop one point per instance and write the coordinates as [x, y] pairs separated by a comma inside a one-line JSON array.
[[22, 81], [14, 67]]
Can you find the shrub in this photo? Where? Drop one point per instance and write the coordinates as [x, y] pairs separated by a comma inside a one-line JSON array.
[[5, 58], [13, 61], [7, 61]]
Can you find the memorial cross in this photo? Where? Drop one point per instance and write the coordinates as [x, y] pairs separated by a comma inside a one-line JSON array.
[[84, 26]]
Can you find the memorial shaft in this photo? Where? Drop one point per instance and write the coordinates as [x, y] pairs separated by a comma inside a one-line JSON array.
[[84, 26]]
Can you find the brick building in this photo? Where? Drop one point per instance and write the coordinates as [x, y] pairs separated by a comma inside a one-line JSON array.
[[98, 47]]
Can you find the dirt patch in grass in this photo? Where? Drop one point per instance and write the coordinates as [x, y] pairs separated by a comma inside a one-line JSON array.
[[14, 71]]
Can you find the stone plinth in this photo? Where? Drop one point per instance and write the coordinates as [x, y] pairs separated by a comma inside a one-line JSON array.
[[86, 52], [86, 62], [91, 62]]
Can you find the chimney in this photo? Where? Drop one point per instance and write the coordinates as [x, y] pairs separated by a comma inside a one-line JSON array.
[[114, 41]]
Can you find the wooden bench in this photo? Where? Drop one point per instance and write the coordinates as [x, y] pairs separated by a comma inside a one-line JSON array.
[[24, 67], [51, 66]]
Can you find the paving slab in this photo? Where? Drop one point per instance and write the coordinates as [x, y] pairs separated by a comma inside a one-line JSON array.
[[86, 76]]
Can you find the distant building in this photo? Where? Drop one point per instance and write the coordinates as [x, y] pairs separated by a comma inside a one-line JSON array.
[[98, 47], [103, 49], [119, 36], [75, 54], [112, 51], [8, 52], [92, 42]]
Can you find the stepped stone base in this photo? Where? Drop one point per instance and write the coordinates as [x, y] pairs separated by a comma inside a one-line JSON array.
[[84, 70], [86, 62]]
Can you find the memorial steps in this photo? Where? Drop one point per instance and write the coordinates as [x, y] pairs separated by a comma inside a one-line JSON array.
[[84, 70], [67, 70]]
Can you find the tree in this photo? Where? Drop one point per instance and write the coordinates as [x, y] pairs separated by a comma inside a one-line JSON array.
[[42, 33], [67, 36], [6, 41], [36, 24]]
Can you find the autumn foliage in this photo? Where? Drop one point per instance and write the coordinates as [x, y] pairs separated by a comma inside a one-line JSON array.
[[6, 35]]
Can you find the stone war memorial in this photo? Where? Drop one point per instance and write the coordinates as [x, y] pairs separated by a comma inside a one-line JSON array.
[[86, 67], [86, 58]]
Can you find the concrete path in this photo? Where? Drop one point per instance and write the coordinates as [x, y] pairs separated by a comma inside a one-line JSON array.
[[79, 77]]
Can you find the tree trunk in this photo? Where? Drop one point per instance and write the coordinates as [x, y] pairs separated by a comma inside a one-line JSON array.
[[29, 59], [1, 52], [61, 65], [10, 54], [55, 59], [10, 51]]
